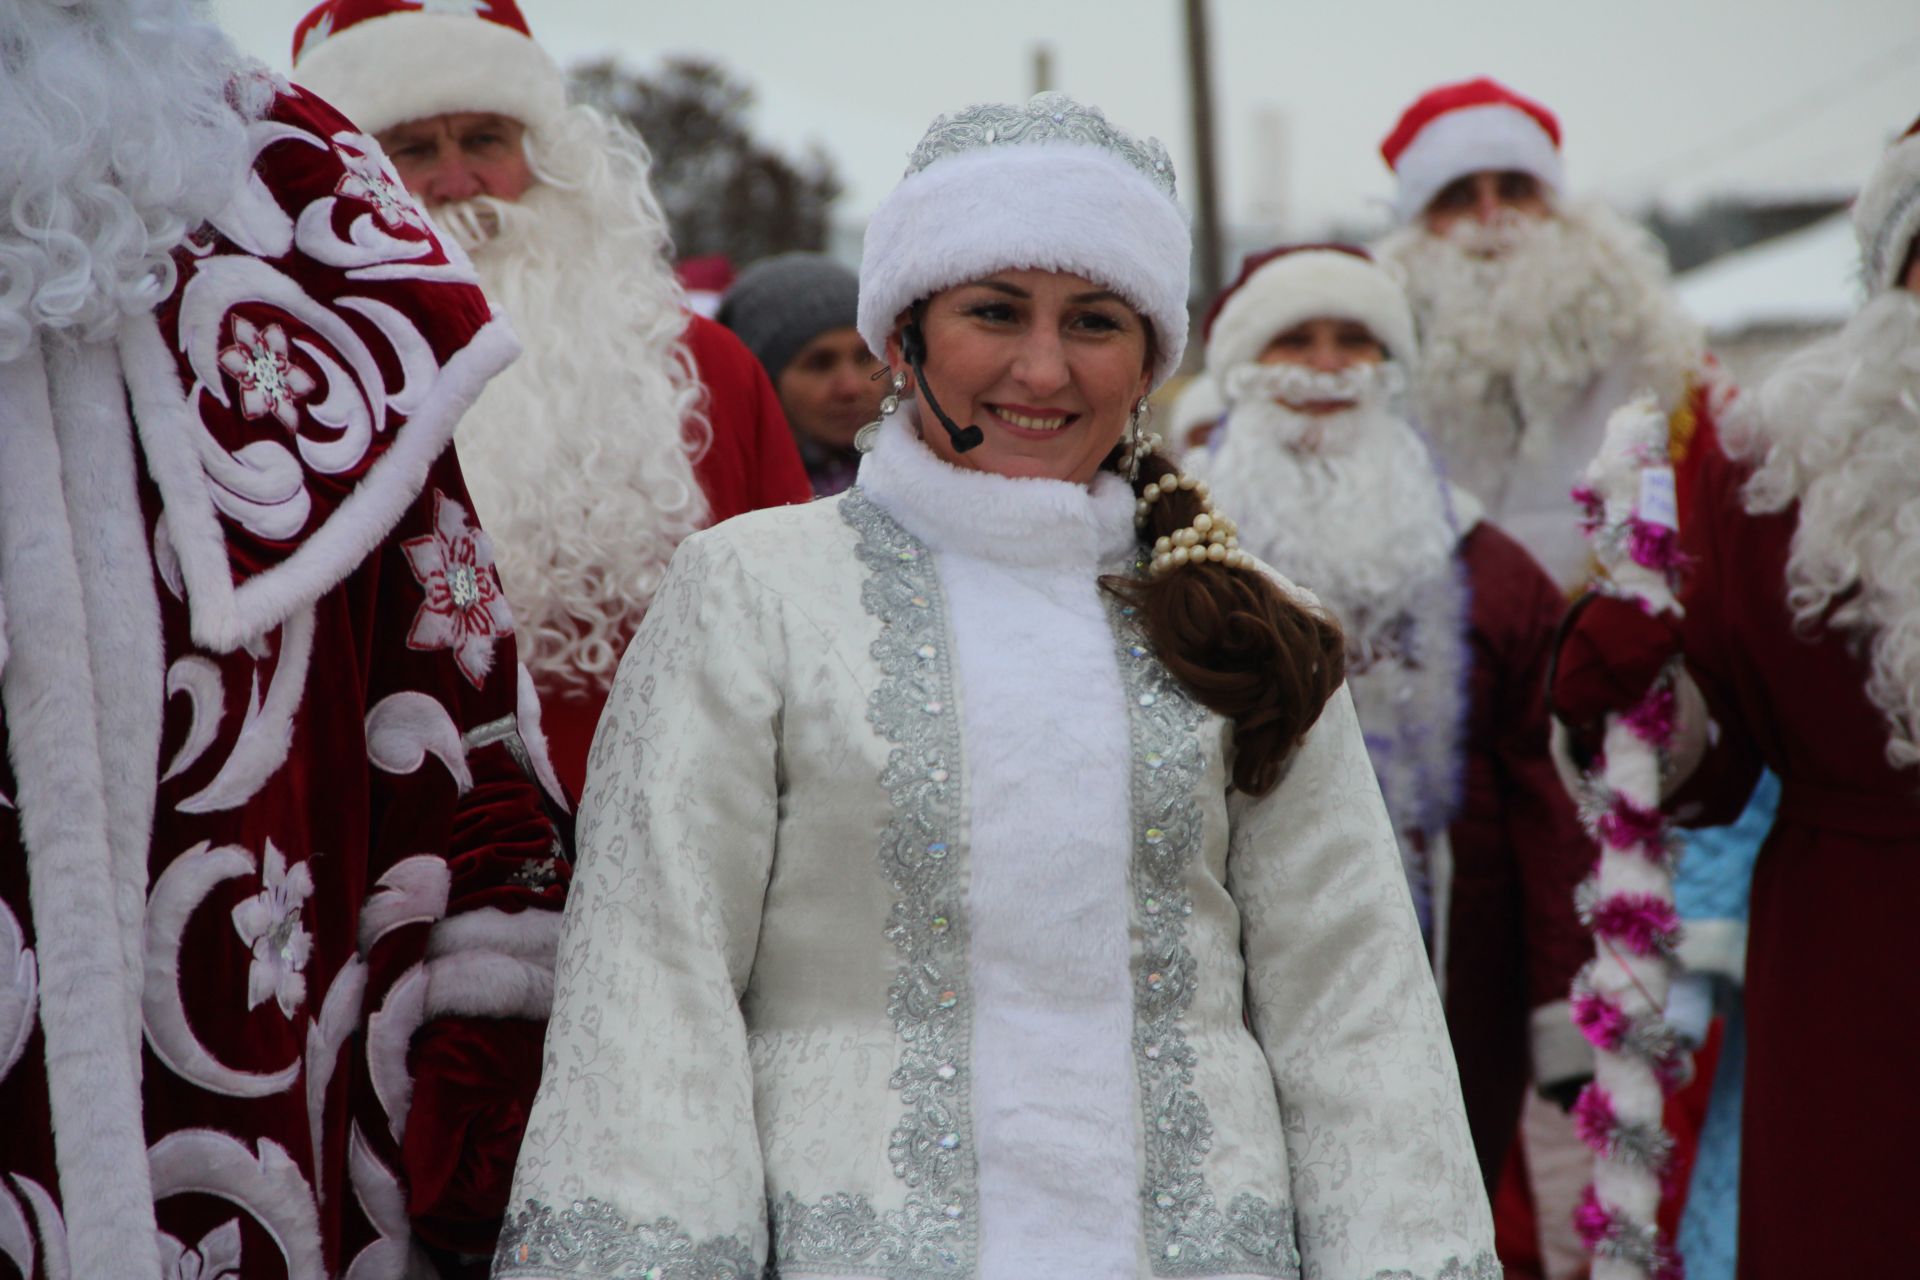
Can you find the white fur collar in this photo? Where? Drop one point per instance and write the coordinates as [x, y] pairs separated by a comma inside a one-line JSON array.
[[976, 513]]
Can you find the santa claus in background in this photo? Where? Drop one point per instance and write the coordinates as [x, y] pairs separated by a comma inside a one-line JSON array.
[[277, 891], [1538, 314], [1449, 623], [1802, 631], [629, 422]]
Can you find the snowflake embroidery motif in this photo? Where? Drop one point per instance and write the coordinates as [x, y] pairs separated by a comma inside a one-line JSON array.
[[269, 922], [464, 610], [270, 382], [369, 181]]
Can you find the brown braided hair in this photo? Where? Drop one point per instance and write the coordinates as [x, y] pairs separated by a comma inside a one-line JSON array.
[[1240, 644]]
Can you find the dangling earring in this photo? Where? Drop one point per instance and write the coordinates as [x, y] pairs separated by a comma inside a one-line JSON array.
[[1139, 441], [863, 440]]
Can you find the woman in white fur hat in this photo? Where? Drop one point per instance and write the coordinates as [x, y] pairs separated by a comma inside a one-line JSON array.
[[982, 873]]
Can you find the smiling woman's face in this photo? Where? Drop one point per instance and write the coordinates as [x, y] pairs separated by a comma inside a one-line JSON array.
[[1048, 366]]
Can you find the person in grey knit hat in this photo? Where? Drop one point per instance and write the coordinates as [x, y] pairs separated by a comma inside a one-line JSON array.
[[795, 312]]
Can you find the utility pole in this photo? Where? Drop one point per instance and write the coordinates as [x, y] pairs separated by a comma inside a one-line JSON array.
[[1206, 202]]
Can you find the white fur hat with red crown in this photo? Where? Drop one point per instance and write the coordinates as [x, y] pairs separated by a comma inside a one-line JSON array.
[[385, 62], [1044, 185], [1464, 128], [1280, 288], [1886, 213]]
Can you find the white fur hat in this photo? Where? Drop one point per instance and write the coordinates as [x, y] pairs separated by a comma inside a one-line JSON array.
[[1045, 186], [1283, 287], [1463, 128], [1886, 214], [385, 62]]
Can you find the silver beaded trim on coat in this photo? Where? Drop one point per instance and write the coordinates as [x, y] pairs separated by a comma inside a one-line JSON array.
[[1045, 117], [1187, 1232], [937, 1232], [1482, 1266], [590, 1238]]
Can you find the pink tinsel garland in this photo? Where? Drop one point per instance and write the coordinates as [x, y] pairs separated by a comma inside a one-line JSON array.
[[1625, 825], [1654, 718], [1644, 924], [1653, 546]]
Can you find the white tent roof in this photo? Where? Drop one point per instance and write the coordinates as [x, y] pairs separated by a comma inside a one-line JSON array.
[[1807, 277]]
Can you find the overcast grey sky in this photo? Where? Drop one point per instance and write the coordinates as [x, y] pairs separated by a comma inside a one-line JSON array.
[[1657, 98]]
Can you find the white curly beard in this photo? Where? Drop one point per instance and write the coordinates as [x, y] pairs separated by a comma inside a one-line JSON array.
[[1511, 342], [580, 456], [123, 128], [1837, 429], [1352, 507]]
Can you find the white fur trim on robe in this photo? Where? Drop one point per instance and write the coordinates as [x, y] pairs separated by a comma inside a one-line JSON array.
[[1044, 718], [53, 738], [492, 964]]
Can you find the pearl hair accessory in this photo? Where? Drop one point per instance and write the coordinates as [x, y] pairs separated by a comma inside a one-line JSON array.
[[1211, 538]]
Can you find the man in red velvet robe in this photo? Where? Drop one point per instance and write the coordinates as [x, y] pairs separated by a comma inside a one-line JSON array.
[[630, 422], [1802, 631], [1449, 623], [277, 883]]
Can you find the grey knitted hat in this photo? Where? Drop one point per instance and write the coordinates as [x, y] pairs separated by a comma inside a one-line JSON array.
[[779, 305]]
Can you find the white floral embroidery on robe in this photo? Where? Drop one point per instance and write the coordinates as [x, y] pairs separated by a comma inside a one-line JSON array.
[[269, 922]]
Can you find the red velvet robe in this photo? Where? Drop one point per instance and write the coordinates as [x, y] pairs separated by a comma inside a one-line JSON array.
[[1831, 1118], [1514, 941], [752, 463], [346, 846]]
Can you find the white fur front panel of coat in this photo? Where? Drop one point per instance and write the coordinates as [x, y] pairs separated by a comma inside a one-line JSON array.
[[1044, 718]]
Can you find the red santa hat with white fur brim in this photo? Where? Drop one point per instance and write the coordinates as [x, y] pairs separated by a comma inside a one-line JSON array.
[[1280, 288], [1886, 214], [1047, 185], [1464, 128], [385, 62]]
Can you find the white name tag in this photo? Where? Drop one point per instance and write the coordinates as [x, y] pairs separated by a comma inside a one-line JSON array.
[[1658, 504]]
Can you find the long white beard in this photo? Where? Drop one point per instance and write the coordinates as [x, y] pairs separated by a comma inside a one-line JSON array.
[[580, 456], [1511, 342], [1353, 520], [123, 127], [1363, 521], [1838, 430]]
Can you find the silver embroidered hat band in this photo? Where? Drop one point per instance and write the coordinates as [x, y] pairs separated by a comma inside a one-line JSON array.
[[1045, 185]]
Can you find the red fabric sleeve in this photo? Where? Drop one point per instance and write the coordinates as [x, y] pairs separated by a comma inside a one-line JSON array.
[[752, 462], [1609, 658], [1716, 792], [1516, 607], [474, 1085], [442, 655]]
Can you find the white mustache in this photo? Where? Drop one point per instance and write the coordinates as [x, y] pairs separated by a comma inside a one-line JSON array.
[[1298, 384]]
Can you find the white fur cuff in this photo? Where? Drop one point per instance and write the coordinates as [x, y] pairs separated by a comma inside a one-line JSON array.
[[488, 986], [410, 66], [533, 934], [1560, 1052], [492, 964], [1045, 206]]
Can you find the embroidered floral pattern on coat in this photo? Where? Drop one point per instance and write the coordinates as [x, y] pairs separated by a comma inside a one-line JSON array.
[[269, 923], [1187, 1231], [932, 1147], [464, 610], [589, 1238]]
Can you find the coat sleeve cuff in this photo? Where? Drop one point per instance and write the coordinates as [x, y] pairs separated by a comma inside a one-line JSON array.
[[1560, 1052], [490, 963]]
